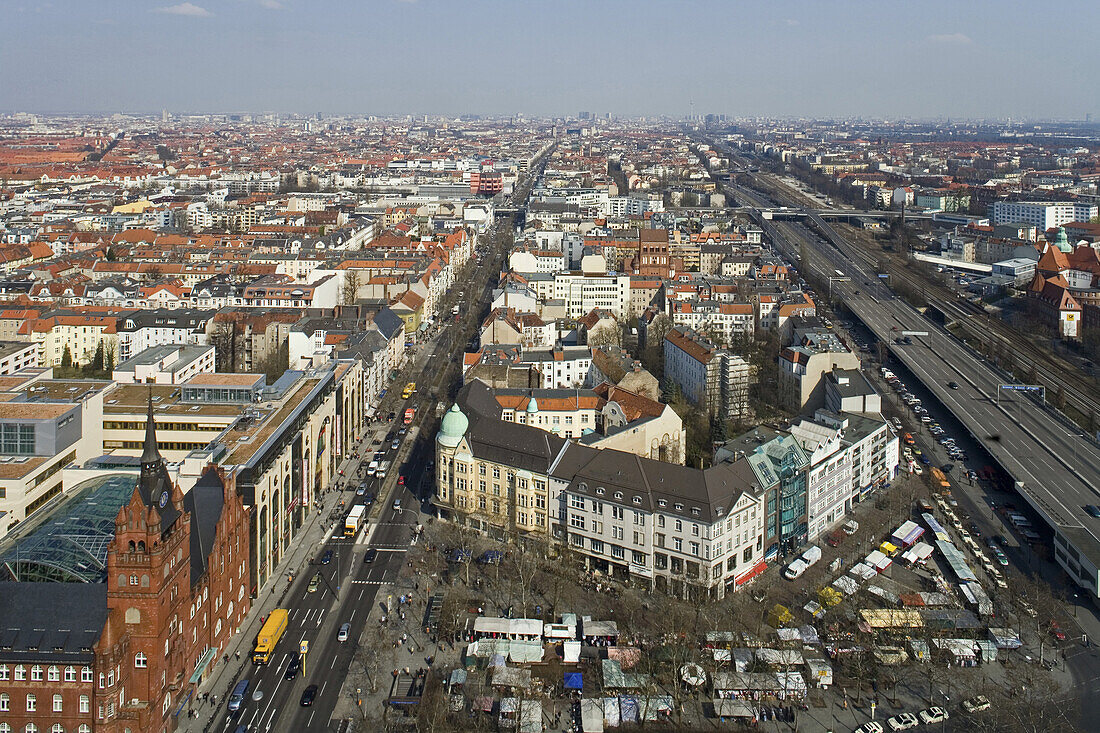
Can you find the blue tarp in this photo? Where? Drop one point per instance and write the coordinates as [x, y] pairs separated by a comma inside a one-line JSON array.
[[574, 681]]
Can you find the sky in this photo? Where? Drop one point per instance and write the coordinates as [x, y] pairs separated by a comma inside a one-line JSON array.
[[973, 59]]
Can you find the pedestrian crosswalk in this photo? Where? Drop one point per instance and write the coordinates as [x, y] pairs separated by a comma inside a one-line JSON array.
[[370, 582]]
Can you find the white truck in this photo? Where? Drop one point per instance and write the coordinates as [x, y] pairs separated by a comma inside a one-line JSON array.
[[810, 556], [372, 468]]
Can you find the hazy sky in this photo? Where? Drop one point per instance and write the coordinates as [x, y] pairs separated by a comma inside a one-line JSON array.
[[959, 58]]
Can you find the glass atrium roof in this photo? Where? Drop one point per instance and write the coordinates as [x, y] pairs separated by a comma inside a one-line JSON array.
[[70, 545]]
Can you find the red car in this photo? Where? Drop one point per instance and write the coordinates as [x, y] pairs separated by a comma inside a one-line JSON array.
[[400, 480], [1056, 631]]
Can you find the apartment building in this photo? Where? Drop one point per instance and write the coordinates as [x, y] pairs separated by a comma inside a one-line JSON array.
[[712, 378], [721, 322], [677, 529], [143, 329], [583, 292], [165, 365], [1043, 215], [814, 352]]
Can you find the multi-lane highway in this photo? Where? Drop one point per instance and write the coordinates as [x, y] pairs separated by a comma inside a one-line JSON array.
[[1057, 468]]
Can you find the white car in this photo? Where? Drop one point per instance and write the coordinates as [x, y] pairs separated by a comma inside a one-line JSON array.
[[903, 721], [871, 726], [933, 715], [976, 704]]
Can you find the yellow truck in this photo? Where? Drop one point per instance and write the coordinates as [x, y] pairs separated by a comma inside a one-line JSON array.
[[408, 391], [269, 636]]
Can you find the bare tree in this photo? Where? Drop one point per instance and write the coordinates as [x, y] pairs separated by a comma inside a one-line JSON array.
[[350, 291]]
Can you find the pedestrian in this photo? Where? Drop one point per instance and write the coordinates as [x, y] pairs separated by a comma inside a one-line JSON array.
[[237, 654]]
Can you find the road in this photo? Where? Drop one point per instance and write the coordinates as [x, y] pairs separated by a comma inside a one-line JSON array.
[[350, 589], [1058, 468]]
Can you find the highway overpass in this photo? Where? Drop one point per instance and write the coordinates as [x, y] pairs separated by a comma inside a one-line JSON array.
[[1055, 466]]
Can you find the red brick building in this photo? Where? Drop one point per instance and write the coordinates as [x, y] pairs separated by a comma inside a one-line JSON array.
[[175, 592]]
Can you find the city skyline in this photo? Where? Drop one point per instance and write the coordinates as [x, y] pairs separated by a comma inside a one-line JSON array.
[[500, 59]]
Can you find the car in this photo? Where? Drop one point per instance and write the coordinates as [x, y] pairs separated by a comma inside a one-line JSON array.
[[401, 480], [237, 697], [976, 704], [871, 726], [953, 385], [327, 557], [370, 555], [360, 490], [1056, 631], [314, 584], [395, 444], [344, 632], [242, 728], [933, 715], [293, 668], [308, 696], [1092, 510], [396, 505], [903, 721]]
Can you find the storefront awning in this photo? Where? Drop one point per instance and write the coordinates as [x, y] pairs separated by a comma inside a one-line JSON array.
[[200, 667]]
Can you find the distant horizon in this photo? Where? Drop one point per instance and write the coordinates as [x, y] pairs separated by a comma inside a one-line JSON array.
[[573, 117], [797, 59]]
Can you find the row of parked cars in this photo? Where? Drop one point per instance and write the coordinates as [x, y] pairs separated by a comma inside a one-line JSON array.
[[928, 716], [921, 413]]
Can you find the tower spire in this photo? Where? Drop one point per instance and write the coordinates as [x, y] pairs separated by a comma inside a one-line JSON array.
[[150, 454]]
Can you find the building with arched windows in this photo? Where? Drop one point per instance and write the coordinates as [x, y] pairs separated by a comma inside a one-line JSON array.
[[116, 605]]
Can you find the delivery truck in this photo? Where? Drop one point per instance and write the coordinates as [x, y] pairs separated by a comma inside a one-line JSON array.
[[269, 636]]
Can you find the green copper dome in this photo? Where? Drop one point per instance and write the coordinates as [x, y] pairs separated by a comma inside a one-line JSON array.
[[453, 427], [532, 405], [1061, 241]]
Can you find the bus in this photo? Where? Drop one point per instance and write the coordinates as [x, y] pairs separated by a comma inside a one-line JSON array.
[[354, 520], [408, 391], [269, 636], [409, 413], [939, 478]]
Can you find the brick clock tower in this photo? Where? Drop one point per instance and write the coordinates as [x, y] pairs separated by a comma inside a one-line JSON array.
[[143, 652]]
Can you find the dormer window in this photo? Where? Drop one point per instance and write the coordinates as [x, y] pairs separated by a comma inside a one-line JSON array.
[[637, 500], [662, 503], [599, 491], [695, 511], [618, 495], [679, 507]]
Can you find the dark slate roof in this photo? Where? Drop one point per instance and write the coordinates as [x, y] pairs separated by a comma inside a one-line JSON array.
[[205, 502], [53, 622], [476, 398], [388, 322], [521, 446]]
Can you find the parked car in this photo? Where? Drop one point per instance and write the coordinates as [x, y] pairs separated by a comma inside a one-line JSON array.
[[933, 715], [976, 704], [903, 721], [327, 557], [871, 726], [1056, 631]]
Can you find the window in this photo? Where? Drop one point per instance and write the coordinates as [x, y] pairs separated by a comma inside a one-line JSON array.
[[5, 728], [17, 439], [639, 538], [577, 502], [58, 703], [32, 703], [85, 704], [141, 661], [617, 552], [57, 728], [4, 672], [70, 674], [5, 702], [36, 673], [638, 558], [677, 544], [596, 545], [86, 674], [576, 521], [617, 533], [53, 674]]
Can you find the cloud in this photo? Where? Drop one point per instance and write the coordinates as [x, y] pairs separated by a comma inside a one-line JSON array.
[[951, 39], [791, 22], [188, 9], [270, 4]]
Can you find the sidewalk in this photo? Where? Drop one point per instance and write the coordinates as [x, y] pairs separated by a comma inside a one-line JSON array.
[[224, 674]]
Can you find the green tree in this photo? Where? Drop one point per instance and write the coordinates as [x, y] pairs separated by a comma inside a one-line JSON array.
[[99, 359], [67, 359]]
